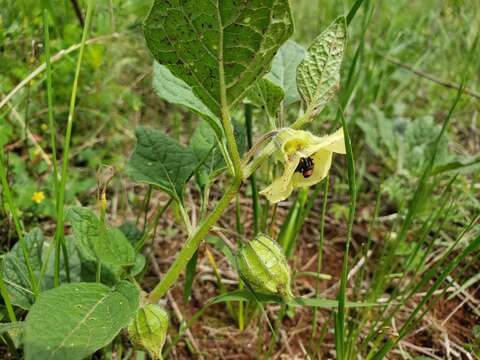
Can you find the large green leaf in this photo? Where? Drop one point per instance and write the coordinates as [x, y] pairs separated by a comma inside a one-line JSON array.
[[212, 44], [161, 161], [74, 320], [284, 70], [266, 95], [318, 75], [176, 91], [98, 242], [15, 273]]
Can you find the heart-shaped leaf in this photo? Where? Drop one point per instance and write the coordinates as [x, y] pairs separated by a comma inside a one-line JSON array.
[[74, 320], [15, 273], [318, 75], [161, 161], [98, 242], [218, 47]]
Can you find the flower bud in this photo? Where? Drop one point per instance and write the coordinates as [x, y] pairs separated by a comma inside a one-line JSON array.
[[262, 264], [149, 329]]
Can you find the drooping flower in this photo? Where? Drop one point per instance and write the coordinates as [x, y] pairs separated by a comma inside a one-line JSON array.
[[306, 160], [38, 197]]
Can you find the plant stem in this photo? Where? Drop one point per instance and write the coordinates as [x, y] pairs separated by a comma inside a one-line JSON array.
[[253, 178], [51, 122], [320, 251], [59, 233], [152, 227], [340, 335], [6, 297], [193, 242], [225, 114], [18, 226]]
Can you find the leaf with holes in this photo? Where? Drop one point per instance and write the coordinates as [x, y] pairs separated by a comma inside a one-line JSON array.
[[161, 161], [266, 95], [318, 75], [74, 320], [176, 91], [284, 70], [218, 47]]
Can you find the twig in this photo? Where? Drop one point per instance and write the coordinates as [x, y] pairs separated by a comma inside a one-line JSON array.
[[447, 84], [53, 59]]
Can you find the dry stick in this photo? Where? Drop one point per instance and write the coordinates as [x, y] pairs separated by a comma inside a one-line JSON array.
[[424, 75], [53, 59], [174, 305]]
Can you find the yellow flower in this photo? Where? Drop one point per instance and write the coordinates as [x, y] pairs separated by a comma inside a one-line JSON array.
[[306, 159], [38, 197], [44, 127]]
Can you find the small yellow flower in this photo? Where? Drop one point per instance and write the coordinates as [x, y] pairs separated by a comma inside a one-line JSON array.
[[306, 158], [38, 197], [44, 127]]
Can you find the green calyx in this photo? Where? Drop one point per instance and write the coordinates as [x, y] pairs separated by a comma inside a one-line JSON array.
[[262, 264], [149, 329]]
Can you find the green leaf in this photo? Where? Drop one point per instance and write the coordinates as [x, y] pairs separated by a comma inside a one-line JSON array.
[[220, 245], [266, 95], [131, 232], [97, 241], [284, 70], [12, 326], [15, 273], [74, 263], [161, 161], [206, 148], [190, 272], [15, 331], [212, 45], [176, 91], [74, 320], [318, 75], [464, 166], [204, 144]]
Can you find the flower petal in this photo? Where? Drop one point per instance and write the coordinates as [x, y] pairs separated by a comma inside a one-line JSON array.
[[334, 142], [282, 186]]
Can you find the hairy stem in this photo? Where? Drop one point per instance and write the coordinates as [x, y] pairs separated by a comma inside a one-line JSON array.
[[193, 242]]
